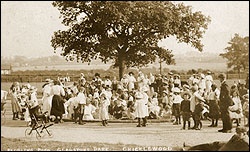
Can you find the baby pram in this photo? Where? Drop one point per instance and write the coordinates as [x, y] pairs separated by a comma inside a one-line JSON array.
[[39, 123]]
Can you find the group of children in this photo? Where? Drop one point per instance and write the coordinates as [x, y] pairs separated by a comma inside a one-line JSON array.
[[144, 97]]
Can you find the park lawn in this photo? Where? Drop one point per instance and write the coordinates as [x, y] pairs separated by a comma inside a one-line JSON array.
[[9, 144]]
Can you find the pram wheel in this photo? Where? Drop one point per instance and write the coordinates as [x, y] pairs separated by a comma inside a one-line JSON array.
[[50, 133], [39, 135], [28, 132]]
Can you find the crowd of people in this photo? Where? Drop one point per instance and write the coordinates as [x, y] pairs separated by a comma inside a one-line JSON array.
[[142, 97]]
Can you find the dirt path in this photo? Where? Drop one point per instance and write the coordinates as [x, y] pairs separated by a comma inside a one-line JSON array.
[[155, 134]]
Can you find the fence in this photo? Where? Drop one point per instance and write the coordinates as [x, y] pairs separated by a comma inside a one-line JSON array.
[[41, 78]]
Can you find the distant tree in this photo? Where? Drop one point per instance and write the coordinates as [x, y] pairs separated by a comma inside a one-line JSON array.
[[125, 32], [165, 56], [237, 53]]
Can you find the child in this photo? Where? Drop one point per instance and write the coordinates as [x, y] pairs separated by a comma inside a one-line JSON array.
[[213, 98], [236, 109], [165, 100], [154, 108], [81, 98], [89, 110], [185, 110], [104, 103], [176, 105], [198, 115]]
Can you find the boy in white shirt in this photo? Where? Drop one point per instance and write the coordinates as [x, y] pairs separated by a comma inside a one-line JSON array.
[[81, 98], [177, 105]]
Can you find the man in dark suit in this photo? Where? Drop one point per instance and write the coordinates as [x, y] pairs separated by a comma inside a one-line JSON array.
[[225, 102]]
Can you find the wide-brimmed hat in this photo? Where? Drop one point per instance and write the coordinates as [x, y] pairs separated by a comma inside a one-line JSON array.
[[138, 95], [202, 76], [176, 90], [186, 86], [32, 89], [186, 93], [108, 89], [165, 91]]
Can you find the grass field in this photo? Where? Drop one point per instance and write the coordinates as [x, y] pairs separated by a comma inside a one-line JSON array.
[[9, 144]]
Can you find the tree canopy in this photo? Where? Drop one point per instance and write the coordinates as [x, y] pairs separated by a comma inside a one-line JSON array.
[[237, 53], [125, 32]]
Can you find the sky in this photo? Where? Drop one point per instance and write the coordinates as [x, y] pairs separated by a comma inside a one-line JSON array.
[[27, 27]]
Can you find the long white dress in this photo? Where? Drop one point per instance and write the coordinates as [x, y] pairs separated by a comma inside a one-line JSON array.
[[141, 105], [88, 112], [47, 99], [104, 109], [236, 107]]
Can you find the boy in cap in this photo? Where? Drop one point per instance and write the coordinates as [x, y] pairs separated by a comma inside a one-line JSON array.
[[185, 109]]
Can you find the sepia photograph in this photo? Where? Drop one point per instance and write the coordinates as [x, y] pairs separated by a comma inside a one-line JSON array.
[[124, 75]]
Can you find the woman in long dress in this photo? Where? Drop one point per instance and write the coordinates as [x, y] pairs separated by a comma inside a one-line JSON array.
[[47, 97]]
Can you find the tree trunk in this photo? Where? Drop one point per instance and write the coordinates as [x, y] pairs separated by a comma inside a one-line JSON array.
[[239, 73], [121, 67]]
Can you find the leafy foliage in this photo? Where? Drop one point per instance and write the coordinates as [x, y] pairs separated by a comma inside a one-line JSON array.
[[237, 53], [125, 32]]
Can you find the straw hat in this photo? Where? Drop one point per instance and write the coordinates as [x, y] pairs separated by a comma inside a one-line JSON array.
[[33, 89], [165, 91], [139, 95], [176, 90], [186, 86]]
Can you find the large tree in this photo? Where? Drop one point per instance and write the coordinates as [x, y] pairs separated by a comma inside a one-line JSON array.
[[237, 53], [125, 32]]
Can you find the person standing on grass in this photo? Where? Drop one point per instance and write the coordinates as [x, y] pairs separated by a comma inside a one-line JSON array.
[[225, 102], [47, 97], [139, 103], [236, 110], [81, 98], [57, 107], [177, 105], [14, 90], [185, 110], [104, 104], [214, 111], [195, 99]]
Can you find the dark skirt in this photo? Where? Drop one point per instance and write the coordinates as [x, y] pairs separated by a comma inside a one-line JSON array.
[[176, 109], [57, 108], [214, 111]]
